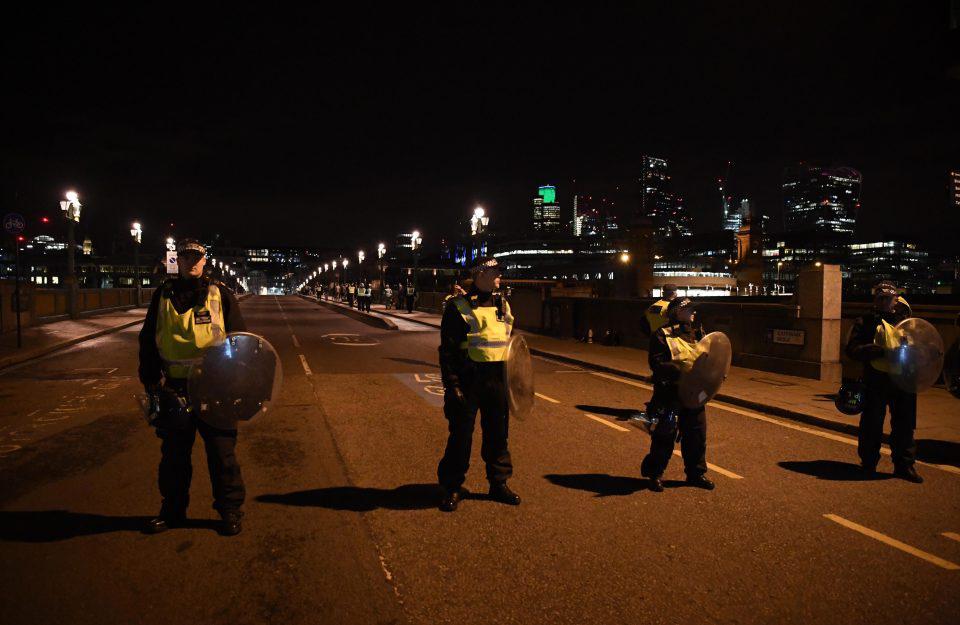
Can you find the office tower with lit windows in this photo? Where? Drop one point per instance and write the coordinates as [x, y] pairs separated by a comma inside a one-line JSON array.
[[954, 190], [593, 216], [659, 202], [546, 211], [821, 199]]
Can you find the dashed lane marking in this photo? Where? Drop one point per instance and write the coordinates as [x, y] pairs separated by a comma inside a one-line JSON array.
[[296, 343], [549, 399], [623, 380], [713, 467], [606, 423], [893, 542], [306, 367], [792, 426], [952, 536]]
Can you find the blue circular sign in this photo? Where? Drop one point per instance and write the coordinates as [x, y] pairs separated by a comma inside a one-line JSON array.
[[13, 223]]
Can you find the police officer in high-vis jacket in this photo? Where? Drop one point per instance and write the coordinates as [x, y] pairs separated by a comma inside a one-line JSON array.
[[668, 347], [474, 333], [656, 315], [188, 314], [871, 335]]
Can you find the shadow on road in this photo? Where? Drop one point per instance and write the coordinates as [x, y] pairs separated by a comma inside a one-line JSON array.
[[411, 361], [831, 470], [356, 499], [938, 452], [44, 526], [620, 413], [605, 485]]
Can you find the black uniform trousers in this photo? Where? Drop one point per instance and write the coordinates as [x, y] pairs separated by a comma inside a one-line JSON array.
[[484, 389], [176, 468], [410, 299], [879, 394], [692, 426]]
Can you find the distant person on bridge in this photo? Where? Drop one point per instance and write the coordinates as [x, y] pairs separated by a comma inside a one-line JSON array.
[[474, 332], [867, 345], [410, 295], [188, 314], [667, 348]]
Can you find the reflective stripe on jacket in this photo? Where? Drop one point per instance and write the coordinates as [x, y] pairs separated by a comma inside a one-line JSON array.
[[657, 315], [182, 338]]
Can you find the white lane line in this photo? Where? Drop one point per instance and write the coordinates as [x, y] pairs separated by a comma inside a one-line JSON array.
[[834, 437], [893, 542], [952, 536], [306, 367], [792, 426], [606, 423], [549, 399], [623, 380], [296, 343], [713, 467]]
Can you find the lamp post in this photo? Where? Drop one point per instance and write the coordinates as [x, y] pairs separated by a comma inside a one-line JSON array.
[[71, 208], [137, 233], [381, 252], [360, 257], [415, 243], [478, 225]]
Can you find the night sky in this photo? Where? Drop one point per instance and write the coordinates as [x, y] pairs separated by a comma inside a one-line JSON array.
[[326, 128]]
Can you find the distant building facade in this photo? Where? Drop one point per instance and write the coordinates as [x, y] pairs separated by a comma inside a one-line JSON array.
[[659, 202]]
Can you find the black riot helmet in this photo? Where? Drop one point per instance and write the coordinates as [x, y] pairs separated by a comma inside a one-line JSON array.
[[850, 398]]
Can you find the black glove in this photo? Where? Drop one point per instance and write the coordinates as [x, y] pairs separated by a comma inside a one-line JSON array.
[[454, 395]]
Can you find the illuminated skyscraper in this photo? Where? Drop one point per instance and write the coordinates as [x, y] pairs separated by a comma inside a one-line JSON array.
[[818, 199], [546, 211], [659, 203], [954, 190]]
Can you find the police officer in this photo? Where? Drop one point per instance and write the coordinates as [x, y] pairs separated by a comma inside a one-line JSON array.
[[666, 350], [474, 332], [188, 314], [410, 294], [866, 344], [656, 316]]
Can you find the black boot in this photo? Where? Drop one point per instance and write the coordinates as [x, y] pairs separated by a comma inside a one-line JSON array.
[[656, 484], [451, 499], [164, 521], [700, 481], [869, 470], [908, 473], [231, 523], [502, 493]]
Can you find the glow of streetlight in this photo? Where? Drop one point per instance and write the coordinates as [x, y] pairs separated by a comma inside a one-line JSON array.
[[624, 258], [361, 256], [381, 250], [72, 197], [478, 212], [345, 261]]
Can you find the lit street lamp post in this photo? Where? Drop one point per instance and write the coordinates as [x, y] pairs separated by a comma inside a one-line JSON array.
[[381, 251], [360, 257], [137, 233], [415, 243], [71, 209]]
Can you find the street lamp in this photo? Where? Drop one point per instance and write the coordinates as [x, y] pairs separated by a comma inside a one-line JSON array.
[[415, 244], [360, 257], [624, 258], [381, 252], [71, 210], [137, 233]]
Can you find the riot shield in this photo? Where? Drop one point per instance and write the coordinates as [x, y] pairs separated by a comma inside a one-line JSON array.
[[916, 364], [698, 385], [518, 377], [235, 381]]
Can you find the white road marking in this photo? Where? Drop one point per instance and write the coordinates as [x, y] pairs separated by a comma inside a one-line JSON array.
[[623, 380], [427, 377], [549, 399], [792, 426], [952, 536], [893, 542], [306, 367], [296, 343], [713, 467], [606, 423]]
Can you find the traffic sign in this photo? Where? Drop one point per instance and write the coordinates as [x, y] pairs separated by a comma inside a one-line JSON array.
[[171, 262], [13, 223]]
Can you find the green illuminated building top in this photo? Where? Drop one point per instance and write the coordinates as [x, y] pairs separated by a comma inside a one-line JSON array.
[[549, 194]]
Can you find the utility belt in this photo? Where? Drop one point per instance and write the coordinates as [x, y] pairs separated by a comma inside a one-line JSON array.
[[175, 412]]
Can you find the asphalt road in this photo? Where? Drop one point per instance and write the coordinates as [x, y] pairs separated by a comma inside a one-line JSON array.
[[342, 525]]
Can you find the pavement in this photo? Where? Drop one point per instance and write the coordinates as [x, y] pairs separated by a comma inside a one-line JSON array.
[[43, 339], [341, 521]]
